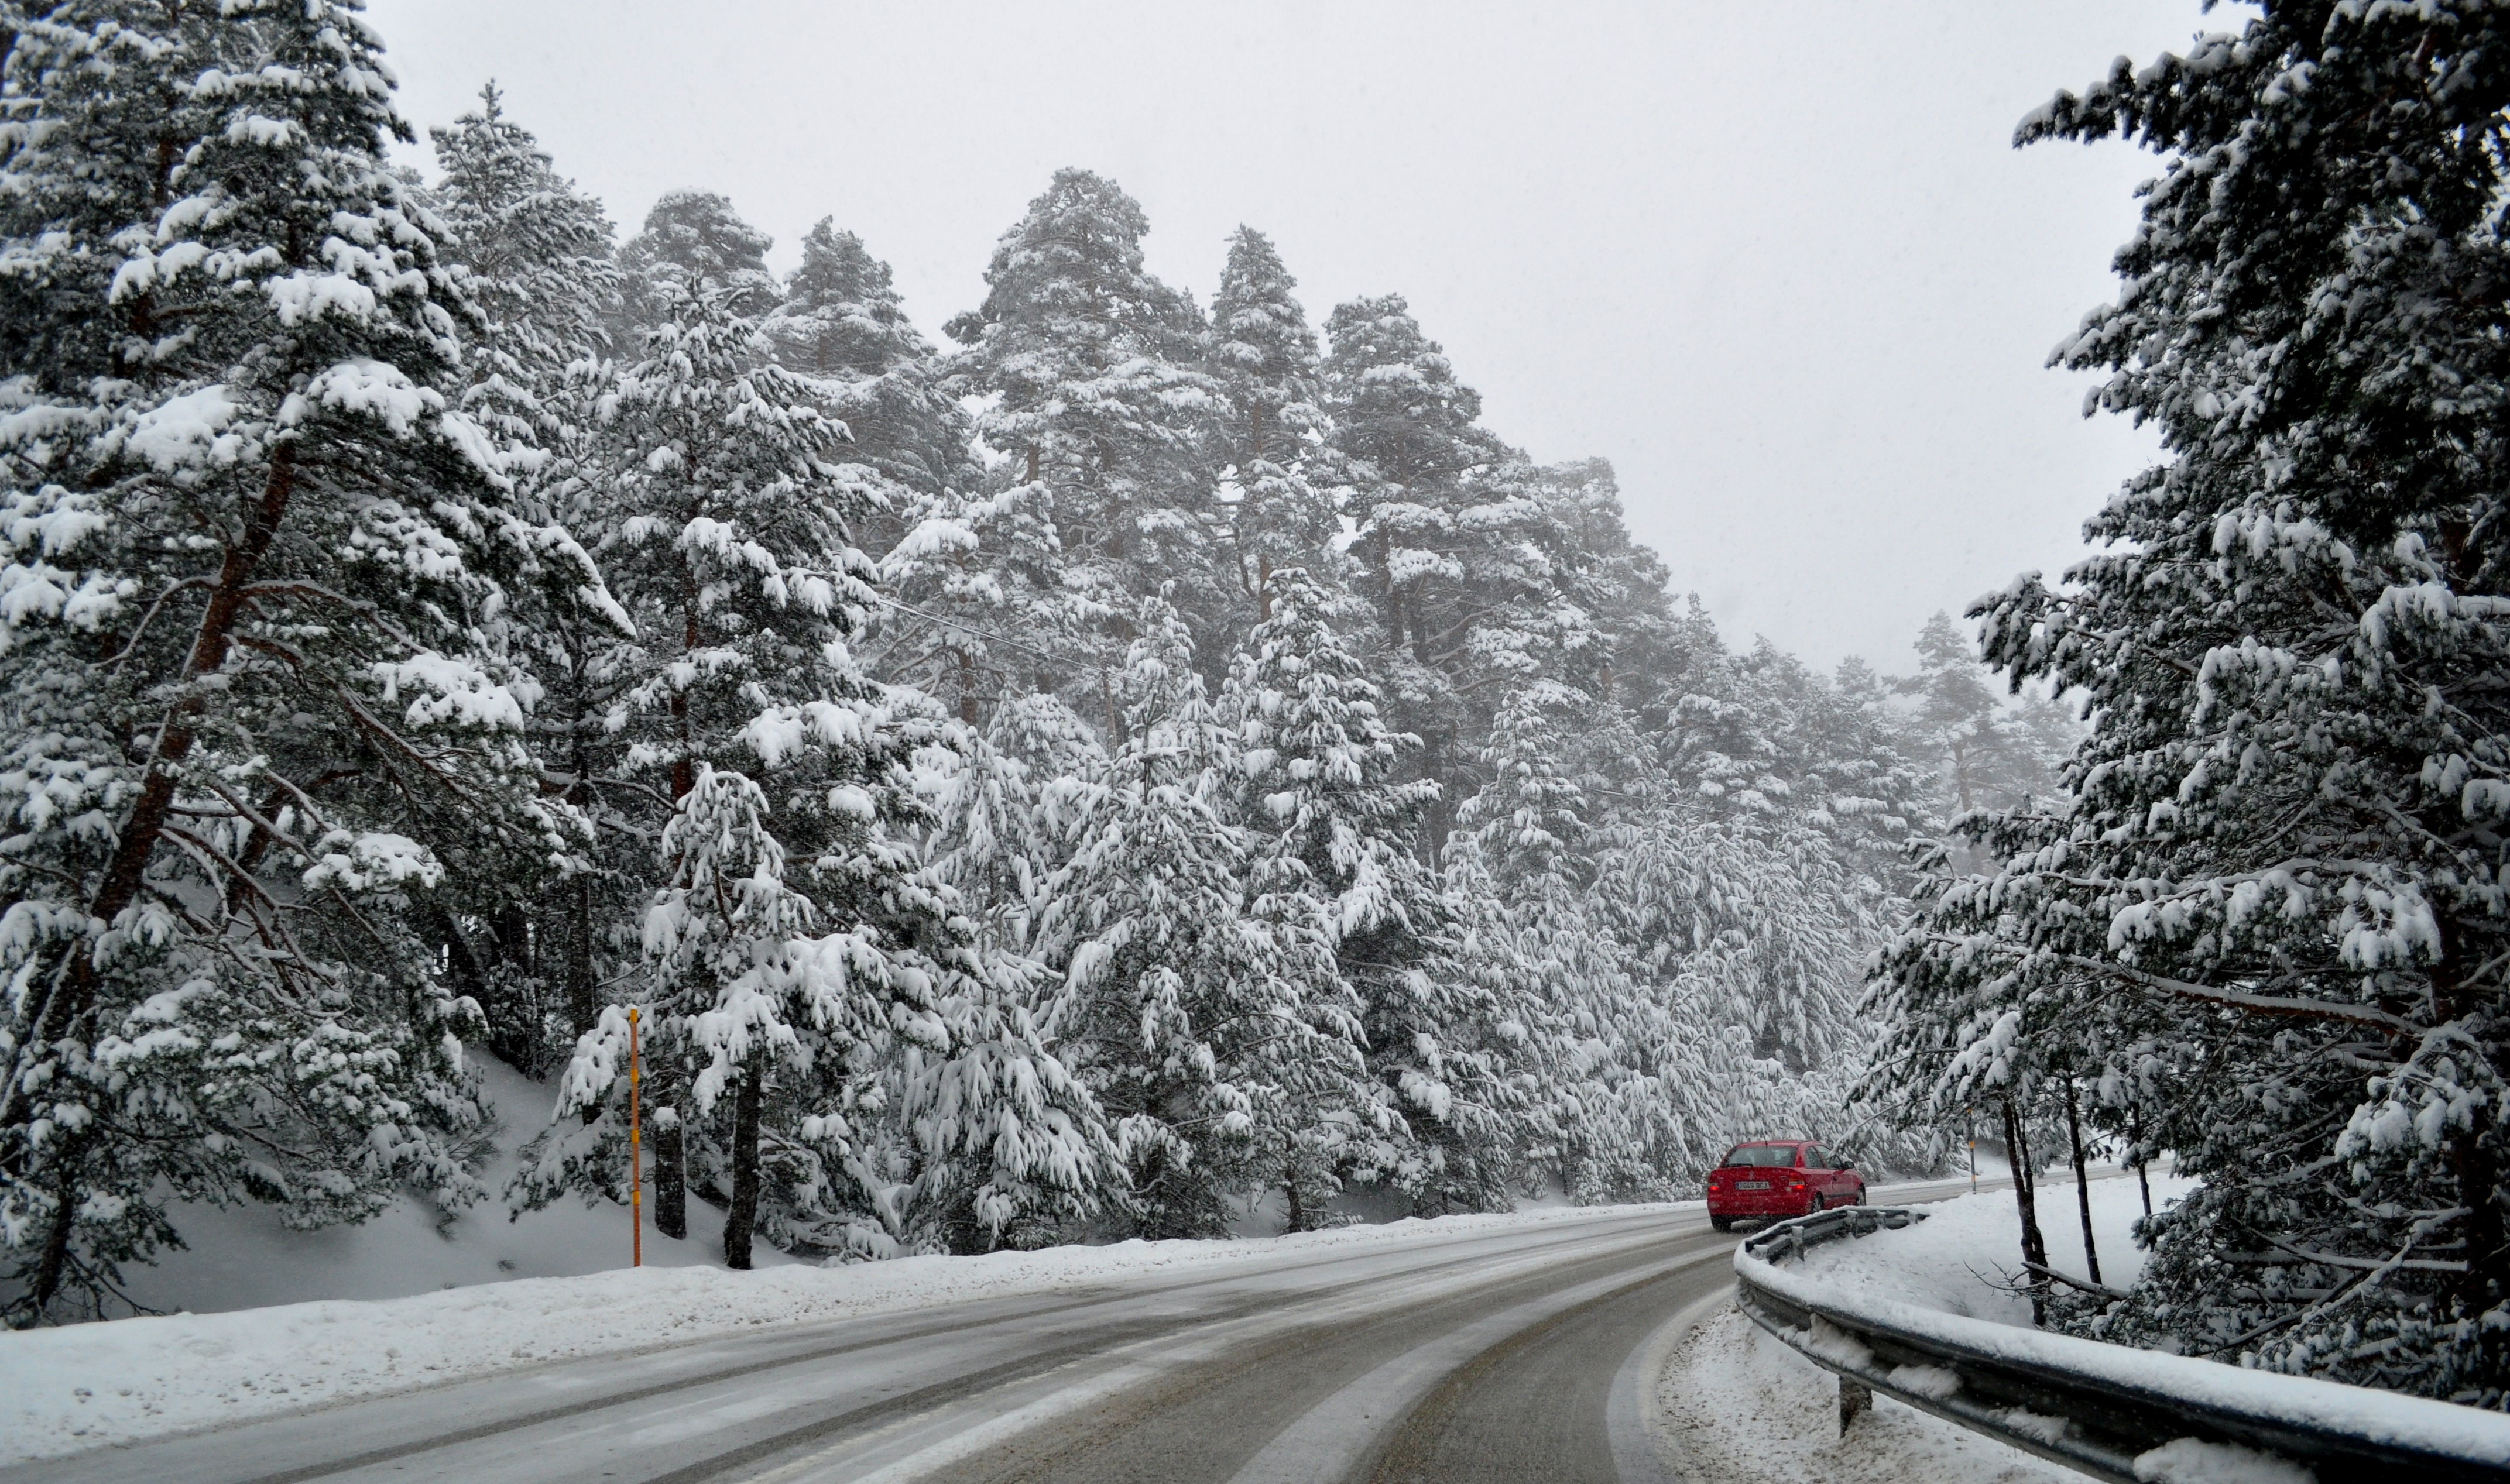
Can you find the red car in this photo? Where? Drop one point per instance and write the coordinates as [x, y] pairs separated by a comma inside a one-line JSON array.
[[1771, 1179]]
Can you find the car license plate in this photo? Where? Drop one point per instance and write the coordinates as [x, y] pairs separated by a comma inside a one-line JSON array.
[[1751, 1185]]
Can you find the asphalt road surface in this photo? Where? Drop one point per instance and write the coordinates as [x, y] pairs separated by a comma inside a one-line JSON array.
[[1524, 1353]]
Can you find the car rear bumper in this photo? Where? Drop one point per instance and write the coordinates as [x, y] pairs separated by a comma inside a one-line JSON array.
[[1761, 1203]]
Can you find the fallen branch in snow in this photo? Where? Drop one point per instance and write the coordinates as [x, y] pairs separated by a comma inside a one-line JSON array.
[[2096, 1290]]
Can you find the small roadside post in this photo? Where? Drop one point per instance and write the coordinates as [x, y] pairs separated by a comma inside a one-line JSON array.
[[635, 1153], [1855, 1399]]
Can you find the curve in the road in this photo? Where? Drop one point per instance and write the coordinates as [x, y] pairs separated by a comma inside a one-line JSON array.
[[678, 1371], [1513, 1353], [1301, 1404]]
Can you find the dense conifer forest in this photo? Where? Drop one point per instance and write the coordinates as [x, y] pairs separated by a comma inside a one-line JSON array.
[[1141, 758]]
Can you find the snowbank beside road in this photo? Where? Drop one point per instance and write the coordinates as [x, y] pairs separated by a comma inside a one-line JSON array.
[[1912, 1282], [82, 1386], [1739, 1407], [1743, 1406], [246, 1257], [1957, 1258]]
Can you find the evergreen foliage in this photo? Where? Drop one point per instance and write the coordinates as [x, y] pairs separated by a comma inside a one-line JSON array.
[[1342, 844], [1269, 434], [541, 262], [260, 697], [2266, 927], [693, 241]]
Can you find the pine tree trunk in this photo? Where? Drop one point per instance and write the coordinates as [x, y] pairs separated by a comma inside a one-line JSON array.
[[2082, 1185], [684, 768], [743, 1215], [2487, 1249], [580, 1012], [2135, 1136], [2026, 1199], [72, 996], [1388, 598], [671, 1167], [2486, 1284], [1298, 1208], [54, 1265]]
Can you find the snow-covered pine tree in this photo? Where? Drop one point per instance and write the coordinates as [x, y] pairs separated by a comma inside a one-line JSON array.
[[1263, 356], [1693, 974], [253, 687], [537, 257], [1211, 1026], [1986, 754], [1523, 863], [1489, 571], [693, 238], [1750, 940], [1002, 838], [1089, 369], [539, 250], [841, 322], [2271, 924], [1404, 431], [1340, 841], [834, 995]]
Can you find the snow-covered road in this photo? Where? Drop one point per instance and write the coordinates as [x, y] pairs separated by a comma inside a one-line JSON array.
[[1509, 1352]]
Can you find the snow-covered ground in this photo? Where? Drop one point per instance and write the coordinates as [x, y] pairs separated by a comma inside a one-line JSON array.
[[242, 1257], [1741, 1405], [1960, 1259], [1741, 1408]]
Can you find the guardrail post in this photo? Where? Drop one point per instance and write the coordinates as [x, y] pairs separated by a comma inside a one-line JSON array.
[[1855, 1396]]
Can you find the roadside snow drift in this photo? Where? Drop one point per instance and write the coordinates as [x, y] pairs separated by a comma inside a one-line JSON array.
[[1944, 1280], [1961, 1258]]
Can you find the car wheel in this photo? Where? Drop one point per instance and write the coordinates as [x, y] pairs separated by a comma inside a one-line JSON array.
[[1815, 1206], [1721, 1223]]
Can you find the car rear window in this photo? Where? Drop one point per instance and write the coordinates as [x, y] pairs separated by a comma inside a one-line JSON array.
[[1763, 1156]]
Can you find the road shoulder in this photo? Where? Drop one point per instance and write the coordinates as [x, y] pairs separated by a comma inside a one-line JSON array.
[[1736, 1406]]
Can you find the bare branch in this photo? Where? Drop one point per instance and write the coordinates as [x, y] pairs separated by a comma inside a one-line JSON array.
[[2240, 999]]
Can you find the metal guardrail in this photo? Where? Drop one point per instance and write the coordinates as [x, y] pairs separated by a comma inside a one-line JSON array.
[[2100, 1425]]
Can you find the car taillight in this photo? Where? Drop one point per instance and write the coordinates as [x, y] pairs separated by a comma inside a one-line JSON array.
[[1796, 1185]]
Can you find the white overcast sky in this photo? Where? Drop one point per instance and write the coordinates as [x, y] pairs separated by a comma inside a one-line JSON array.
[[1777, 261]]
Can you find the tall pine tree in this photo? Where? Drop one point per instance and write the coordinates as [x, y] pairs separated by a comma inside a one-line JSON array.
[[1343, 846], [257, 684], [2269, 926]]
